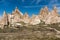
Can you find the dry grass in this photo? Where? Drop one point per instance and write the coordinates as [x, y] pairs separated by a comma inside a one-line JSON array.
[[32, 32]]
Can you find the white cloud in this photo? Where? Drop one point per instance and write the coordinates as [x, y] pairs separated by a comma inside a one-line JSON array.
[[23, 0], [32, 6], [53, 1], [37, 2]]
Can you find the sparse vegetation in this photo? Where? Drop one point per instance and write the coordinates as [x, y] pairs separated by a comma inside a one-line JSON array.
[[32, 32]]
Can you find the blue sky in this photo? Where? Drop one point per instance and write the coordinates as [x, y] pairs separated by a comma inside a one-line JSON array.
[[30, 6]]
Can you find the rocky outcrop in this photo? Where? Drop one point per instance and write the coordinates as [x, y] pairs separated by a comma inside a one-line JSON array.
[[17, 12], [26, 18], [4, 20], [43, 13], [35, 20], [17, 15], [52, 17]]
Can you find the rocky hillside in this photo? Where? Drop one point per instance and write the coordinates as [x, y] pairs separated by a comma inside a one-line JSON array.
[[16, 26], [49, 17], [32, 32]]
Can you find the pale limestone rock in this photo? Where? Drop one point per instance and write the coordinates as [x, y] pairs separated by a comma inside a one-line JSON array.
[[4, 20], [51, 19], [17, 15], [54, 14], [58, 20], [35, 20], [17, 12], [43, 13], [48, 19], [26, 18]]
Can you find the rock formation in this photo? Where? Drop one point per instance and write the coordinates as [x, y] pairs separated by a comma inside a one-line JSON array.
[[52, 17], [16, 17], [4, 21], [43, 13], [34, 20], [17, 12], [26, 18], [5, 18]]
